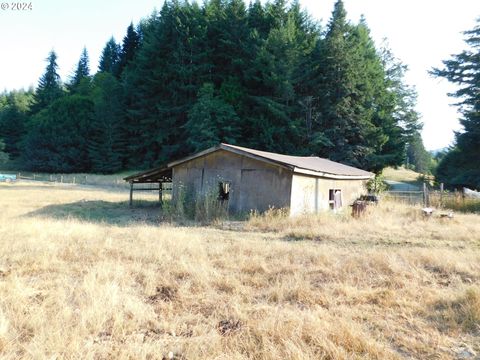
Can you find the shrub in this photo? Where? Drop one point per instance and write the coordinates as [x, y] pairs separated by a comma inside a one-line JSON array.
[[377, 184], [202, 207]]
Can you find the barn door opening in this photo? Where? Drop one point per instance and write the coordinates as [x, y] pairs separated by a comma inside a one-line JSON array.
[[224, 191]]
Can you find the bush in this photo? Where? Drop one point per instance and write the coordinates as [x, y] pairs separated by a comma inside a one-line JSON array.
[[377, 185], [209, 208], [201, 207]]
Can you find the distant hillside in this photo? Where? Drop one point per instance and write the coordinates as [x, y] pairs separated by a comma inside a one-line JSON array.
[[400, 174], [437, 151], [402, 179]]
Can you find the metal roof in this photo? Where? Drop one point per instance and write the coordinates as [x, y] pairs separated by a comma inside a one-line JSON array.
[[312, 163], [161, 174], [309, 165]]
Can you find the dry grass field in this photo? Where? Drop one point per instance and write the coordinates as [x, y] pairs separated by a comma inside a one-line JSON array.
[[401, 174], [82, 276]]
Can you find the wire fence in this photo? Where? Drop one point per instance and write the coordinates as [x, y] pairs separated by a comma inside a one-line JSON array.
[[77, 179], [413, 197], [436, 197], [144, 193]]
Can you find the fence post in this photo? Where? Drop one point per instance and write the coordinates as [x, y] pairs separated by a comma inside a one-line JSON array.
[[160, 197], [441, 194], [74, 180], [425, 195], [85, 179], [61, 179], [131, 193]]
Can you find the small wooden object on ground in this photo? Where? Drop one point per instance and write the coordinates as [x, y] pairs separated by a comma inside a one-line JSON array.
[[358, 208]]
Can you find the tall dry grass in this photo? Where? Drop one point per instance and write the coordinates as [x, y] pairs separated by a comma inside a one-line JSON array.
[[455, 202], [389, 286], [389, 223]]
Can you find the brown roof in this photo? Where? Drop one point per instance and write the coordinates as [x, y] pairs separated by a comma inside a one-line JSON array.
[[302, 164], [161, 174], [312, 163]]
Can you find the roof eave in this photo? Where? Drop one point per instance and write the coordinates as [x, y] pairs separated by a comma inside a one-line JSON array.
[[332, 176], [145, 174], [194, 156], [226, 147]]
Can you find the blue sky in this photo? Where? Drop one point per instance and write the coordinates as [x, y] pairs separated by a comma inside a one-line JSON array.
[[420, 32]]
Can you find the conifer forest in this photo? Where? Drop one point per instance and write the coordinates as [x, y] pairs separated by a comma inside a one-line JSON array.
[[262, 75]]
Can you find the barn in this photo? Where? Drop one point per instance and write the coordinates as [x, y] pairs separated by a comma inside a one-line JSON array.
[[247, 179]]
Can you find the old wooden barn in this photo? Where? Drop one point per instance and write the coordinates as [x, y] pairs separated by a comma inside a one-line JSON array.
[[247, 179]]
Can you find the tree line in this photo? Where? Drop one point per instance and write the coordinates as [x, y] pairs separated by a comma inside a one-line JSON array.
[[265, 76], [460, 165]]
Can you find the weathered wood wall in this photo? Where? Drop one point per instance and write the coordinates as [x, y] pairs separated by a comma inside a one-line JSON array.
[[254, 184]]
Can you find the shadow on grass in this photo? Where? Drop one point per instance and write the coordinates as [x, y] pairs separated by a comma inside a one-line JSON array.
[[99, 211]]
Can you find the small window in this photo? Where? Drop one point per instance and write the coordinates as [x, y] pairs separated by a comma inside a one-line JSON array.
[[223, 190], [335, 199]]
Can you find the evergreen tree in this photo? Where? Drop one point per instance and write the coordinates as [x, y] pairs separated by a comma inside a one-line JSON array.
[[272, 125], [344, 124], [58, 135], [131, 43], [230, 52], [14, 119], [275, 82], [397, 115], [365, 112], [305, 83], [417, 157], [81, 75], [163, 83], [276, 13], [388, 104], [106, 141], [211, 121], [110, 58], [461, 166], [3, 154], [257, 19], [49, 86]]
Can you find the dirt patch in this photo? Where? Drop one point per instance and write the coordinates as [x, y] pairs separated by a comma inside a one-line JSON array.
[[163, 293], [229, 327]]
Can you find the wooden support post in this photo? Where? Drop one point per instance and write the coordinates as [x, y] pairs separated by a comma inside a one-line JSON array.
[[131, 193], [428, 197], [441, 194], [160, 189], [426, 200]]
